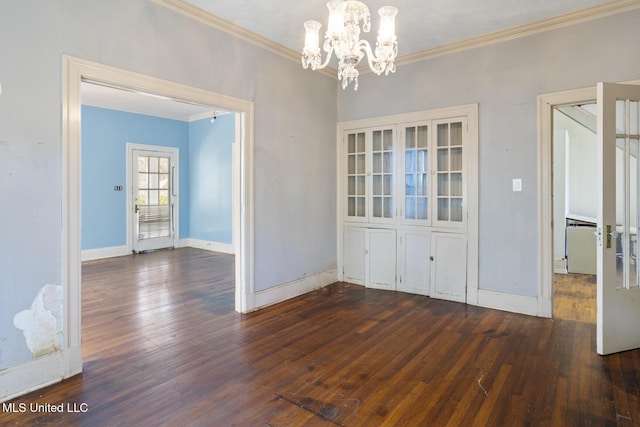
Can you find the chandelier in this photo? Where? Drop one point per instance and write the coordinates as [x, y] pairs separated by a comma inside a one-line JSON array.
[[343, 39]]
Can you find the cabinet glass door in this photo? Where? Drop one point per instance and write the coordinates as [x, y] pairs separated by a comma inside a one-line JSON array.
[[356, 175], [416, 173], [449, 176], [382, 174]]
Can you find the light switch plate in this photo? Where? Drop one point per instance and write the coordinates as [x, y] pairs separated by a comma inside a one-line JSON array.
[[517, 184]]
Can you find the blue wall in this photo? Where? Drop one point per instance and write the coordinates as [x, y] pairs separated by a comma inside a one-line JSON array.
[[210, 178], [205, 173]]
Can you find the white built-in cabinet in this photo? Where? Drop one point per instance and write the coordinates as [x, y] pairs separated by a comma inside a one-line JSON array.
[[404, 201]]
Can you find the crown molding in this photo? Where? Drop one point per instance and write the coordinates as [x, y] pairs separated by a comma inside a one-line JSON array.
[[218, 23], [584, 15], [568, 19]]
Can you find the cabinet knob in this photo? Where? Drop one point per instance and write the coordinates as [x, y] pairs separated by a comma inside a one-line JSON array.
[[431, 258]]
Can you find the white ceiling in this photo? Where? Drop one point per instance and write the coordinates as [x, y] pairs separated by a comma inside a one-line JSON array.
[[420, 24], [142, 103]]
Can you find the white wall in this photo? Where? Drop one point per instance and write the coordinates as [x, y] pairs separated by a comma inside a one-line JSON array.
[[505, 79], [295, 116]]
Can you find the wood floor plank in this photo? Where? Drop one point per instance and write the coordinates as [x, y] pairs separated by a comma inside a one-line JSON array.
[[163, 346]]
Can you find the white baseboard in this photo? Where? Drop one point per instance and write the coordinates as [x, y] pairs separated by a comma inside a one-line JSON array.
[[110, 252], [39, 373], [115, 251], [508, 302], [225, 248], [293, 289]]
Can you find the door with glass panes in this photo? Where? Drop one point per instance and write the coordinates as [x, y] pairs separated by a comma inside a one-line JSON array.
[[370, 175], [154, 198]]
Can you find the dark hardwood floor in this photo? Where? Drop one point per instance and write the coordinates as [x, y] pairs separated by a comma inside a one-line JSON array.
[[163, 347]]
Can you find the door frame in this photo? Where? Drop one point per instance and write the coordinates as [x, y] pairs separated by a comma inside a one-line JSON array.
[[174, 186], [546, 104], [76, 70]]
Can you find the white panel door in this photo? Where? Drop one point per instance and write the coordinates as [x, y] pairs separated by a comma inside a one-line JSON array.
[[449, 266], [354, 255], [381, 259], [618, 293], [413, 262]]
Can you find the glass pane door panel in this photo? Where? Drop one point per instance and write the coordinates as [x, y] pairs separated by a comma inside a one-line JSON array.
[[351, 164], [423, 137], [377, 207], [443, 135], [351, 143], [634, 118], [456, 134], [410, 185], [422, 161], [621, 236], [456, 159], [377, 185], [443, 184], [422, 187], [456, 209], [377, 140], [443, 209], [382, 170], [360, 204], [387, 185], [377, 162], [360, 165], [410, 208], [443, 159], [360, 144], [456, 184], [621, 115], [410, 161], [423, 208], [360, 186], [388, 207]]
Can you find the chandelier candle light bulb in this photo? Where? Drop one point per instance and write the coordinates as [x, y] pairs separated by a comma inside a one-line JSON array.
[[343, 39]]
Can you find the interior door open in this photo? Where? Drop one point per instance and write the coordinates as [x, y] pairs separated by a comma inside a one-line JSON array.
[[618, 293], [154, 199]]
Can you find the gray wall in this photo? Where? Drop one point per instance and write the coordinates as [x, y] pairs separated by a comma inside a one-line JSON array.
[[295, 116], [505, 79]]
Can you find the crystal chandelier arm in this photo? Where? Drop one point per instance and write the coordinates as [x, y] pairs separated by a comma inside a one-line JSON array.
[[371, 58]]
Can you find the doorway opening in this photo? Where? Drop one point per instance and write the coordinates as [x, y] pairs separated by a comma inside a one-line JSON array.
[[76, 71], [575, 211]]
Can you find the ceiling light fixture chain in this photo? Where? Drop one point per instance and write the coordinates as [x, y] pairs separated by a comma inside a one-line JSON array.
[[343, 39]]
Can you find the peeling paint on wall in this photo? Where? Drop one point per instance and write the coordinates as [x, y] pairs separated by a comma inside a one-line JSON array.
[[42, 323]]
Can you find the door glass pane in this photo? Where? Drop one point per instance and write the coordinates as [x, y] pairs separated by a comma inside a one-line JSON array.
[[387, 185], [377, 185], [377, 140], [422, 161], [377, 162], [360, 143], [410, 137], [423, 212], [410, 208], [360, 166], [443, 135], [387, 143], [360, 186], [621, 116], [143, 180], [410, 161], [423, 135], [153, 164], [388, 207], [410, 185], [422, 189], [351, 143], [621, 234], [443, 209], [456, 133], [351, 164], [456, 209], [443, 159], [633, 213], [351, 185], [634, 118], [163, 165], [377, 207], [443, 184]]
